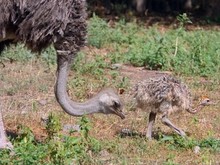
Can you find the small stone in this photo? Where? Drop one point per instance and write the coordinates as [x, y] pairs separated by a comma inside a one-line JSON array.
[[23, 112], [116, 66], [104, 153], [196, 150], [70, 127], [126, 131], [42, 102], [44, 119]]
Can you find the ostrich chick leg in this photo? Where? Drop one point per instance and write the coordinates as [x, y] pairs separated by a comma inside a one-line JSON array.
[[3, 139], [167, 122], [152, 118]]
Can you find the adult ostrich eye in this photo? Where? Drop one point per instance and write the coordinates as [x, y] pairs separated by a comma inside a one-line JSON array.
[[116, 108], [116, 104]]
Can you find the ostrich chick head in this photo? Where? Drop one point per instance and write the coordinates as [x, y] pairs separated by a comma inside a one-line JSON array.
[[205, 101]]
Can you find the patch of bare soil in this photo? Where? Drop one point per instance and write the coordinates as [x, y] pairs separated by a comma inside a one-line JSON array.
[[136, 74]]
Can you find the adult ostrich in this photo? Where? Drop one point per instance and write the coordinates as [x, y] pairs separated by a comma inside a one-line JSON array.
[[62, 23]]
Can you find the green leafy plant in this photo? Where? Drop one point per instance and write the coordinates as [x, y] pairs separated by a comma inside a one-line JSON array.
[[177, 141], [183, 19], [53, 126], [66, 149], [212, 143]]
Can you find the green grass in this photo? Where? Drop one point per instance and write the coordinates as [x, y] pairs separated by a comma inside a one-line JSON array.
[[184, 52], [56, 149]]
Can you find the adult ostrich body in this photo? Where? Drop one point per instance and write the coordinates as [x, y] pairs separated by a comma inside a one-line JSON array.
[[62, 23]]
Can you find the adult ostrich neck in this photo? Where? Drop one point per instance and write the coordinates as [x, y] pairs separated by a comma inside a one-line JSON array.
[[69, 106]]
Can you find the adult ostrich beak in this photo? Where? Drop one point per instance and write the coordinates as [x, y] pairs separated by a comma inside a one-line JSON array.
[[117, 107], [121, 114], [118, 111]]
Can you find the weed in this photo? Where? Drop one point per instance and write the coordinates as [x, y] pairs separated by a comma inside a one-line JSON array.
[[170, 160], [94, 66], [49, 56], [176, 141], [98, 32], [64, 149], [183, 19], [25, 134], [57, 149], [212, 143], [43, 88], [16, 53], [189, 53], [53, 126]]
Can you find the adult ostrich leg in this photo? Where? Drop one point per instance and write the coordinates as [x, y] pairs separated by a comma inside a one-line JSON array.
[[3, 139]]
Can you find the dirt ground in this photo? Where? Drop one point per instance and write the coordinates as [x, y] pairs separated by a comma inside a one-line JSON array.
[[27, 90]]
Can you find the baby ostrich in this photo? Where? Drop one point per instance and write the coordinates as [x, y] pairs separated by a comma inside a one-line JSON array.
[[61, 23], [164, 95]]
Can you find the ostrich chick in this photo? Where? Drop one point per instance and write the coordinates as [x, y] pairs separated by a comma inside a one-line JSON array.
[[165, 95]]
